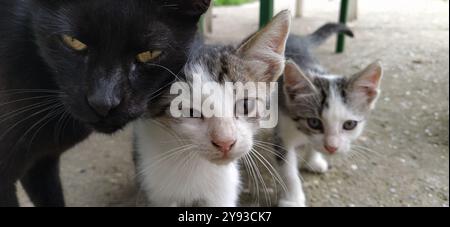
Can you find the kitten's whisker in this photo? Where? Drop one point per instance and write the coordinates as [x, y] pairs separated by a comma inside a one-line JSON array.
[[269, 149], [368, 150], [272, 171], [261, 178], [165, 127], [166, 156], [254, 178]]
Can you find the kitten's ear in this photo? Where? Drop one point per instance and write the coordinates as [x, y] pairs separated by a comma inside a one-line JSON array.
[[296, 82], [364, 87], [194, 7], [264, 51]]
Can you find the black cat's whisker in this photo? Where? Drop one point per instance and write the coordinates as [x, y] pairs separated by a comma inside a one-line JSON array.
[[157, 93], [65, 123], [24, 91], [49, 117], [58, 126], [25, 119], [26, 99], [167, 69], [22, 110]]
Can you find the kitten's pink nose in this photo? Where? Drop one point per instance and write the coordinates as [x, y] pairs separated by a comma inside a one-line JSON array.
[[331, 149], [224, 146]]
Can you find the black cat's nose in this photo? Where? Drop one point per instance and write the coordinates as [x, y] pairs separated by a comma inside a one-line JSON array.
[[103, 105]]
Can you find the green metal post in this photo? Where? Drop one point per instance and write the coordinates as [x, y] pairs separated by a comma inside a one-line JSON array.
[[265, 12], [343, 16]]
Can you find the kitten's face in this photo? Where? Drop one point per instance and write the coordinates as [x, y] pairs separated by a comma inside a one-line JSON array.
[[219, 139], [110, 57], [225, 132], [332, 110]]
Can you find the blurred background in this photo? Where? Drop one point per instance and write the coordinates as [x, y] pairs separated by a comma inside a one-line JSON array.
[[406, 160]]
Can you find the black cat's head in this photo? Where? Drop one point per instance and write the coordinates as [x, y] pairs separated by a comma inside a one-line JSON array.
[[112, 57]]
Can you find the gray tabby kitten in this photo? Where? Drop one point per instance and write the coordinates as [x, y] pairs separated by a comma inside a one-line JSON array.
[[320, 113], [193, 160]]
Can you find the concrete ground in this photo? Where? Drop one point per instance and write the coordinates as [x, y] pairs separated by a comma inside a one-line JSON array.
[[407, 140]]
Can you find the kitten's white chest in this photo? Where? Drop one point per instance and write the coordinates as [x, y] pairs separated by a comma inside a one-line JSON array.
[[175, 176]]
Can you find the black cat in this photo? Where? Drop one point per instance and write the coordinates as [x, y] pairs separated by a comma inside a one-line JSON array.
[[70, 67]]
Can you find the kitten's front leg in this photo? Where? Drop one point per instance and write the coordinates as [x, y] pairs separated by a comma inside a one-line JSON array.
[[292, 195], [314, 162]]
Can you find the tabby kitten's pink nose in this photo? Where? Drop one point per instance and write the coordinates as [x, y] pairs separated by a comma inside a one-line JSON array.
[[331, 149], [224, 146]]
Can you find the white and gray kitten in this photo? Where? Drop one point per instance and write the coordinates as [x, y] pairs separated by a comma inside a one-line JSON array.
[[194, 161], [320, 113]]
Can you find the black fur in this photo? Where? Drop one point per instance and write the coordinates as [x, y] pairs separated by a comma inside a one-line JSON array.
[[44, 85]]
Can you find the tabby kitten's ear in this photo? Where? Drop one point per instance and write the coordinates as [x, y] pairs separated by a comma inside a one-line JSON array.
[[264, 51], [364, 87], [296, 82]]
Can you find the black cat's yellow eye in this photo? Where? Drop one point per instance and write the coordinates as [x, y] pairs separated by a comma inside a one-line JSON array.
[[73, 43], [148, 56]]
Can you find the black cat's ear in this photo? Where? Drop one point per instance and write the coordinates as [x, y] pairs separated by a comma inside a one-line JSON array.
[[264, 51], [296, 82], [364, 87], [193, 7]]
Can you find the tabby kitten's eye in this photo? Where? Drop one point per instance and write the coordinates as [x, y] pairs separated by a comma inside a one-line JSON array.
[[315, 123], [73, 43], [350, 125], [148, 56]]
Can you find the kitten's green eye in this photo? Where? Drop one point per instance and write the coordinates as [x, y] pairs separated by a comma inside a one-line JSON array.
[[73, 43], [148, 56], [315, 123], [350, 125]]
